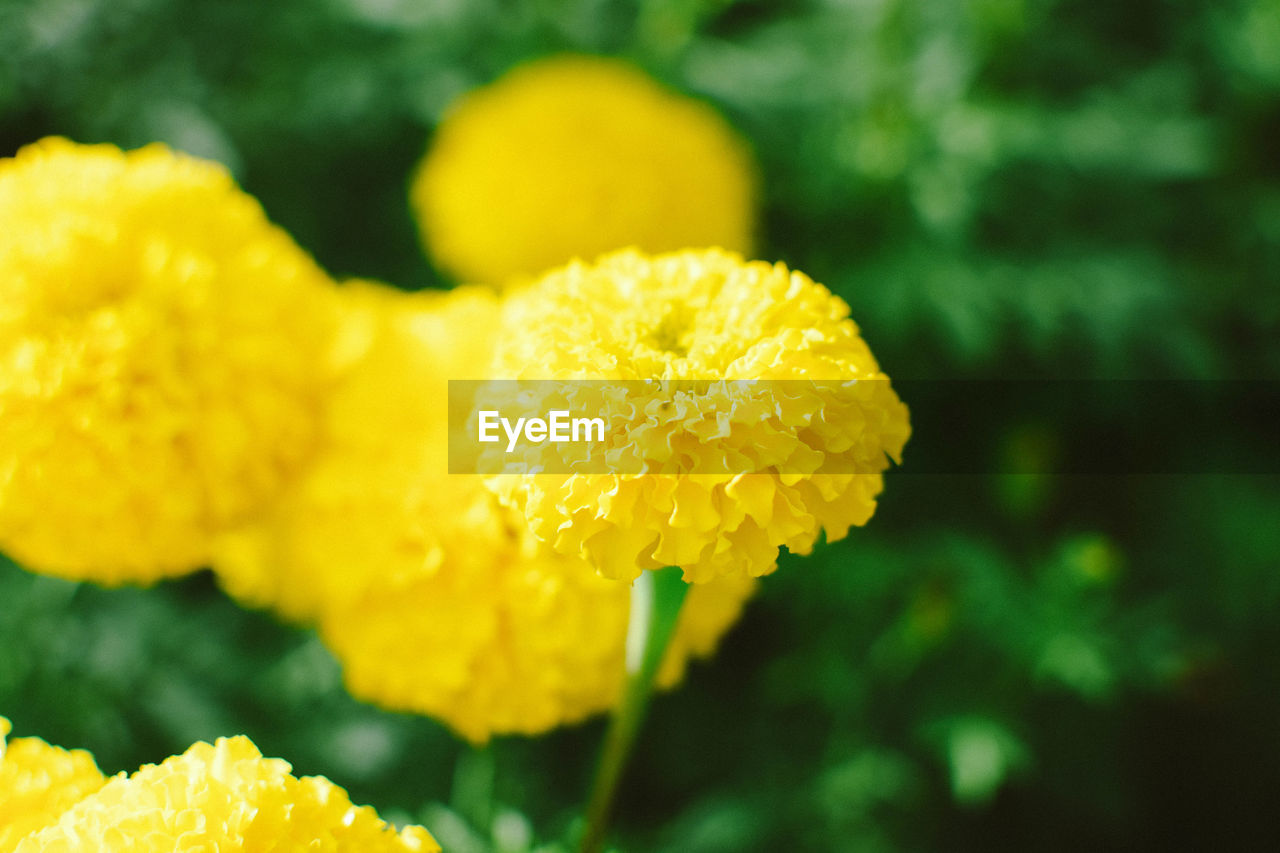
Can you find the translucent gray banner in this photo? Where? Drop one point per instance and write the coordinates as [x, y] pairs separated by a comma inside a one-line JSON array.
[[803, 427]]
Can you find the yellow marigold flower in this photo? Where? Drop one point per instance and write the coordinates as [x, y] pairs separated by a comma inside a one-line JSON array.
[[704, 315], [382, 427], [434, 598], [225, 797], [38, 782], [572, 156], [163, 350], [505, 636]]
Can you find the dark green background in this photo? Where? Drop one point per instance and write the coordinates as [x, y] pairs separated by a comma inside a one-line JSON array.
[[1000, 188]]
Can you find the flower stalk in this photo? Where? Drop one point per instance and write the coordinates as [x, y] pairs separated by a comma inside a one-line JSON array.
[[656, 599]]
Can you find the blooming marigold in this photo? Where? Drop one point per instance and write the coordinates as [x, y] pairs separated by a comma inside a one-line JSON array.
[[163, 349], [435, 599], [572, 156], [38, 782], [224, 796], [702, 315]]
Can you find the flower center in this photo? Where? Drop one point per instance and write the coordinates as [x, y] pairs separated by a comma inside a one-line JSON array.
[[670, 334]]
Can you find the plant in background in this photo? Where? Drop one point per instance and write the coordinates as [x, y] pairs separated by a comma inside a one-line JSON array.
[[224, 796], [572, 156], [164, 351], [996, 188], [181, 358]]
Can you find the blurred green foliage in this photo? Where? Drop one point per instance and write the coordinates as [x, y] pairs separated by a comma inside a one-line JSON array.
[[999, 188]]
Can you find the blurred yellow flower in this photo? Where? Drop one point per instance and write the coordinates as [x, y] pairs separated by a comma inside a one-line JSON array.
[[163, 351], [573, 156], [701, 315], [224, 797], [348, 521], [434, 598], [497, 634]]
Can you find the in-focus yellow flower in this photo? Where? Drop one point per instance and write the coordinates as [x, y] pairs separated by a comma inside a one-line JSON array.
[[435, 599], [788, 464], [573, 156], [38, 782], [163, 350], [224, 797]]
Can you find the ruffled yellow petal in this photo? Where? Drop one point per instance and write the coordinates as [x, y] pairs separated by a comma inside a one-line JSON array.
[[788, 462], [38, 782], [223, 797]]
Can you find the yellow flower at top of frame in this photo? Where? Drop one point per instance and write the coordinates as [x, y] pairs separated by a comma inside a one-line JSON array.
[[572, 156]]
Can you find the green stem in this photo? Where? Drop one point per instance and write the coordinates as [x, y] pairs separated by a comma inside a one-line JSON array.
[[472, 795], [656, 598]]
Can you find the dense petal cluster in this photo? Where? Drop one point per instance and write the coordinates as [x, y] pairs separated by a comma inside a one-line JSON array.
[[223, 796], [788, 459], [38, 782], [163, 352], [434, 598], [573, 156]]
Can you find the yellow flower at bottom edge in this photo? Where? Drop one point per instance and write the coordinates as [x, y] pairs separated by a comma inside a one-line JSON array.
[[571, 156], [435, 599], [775, 462], [38, 782], [163, 353], [223, 796]]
